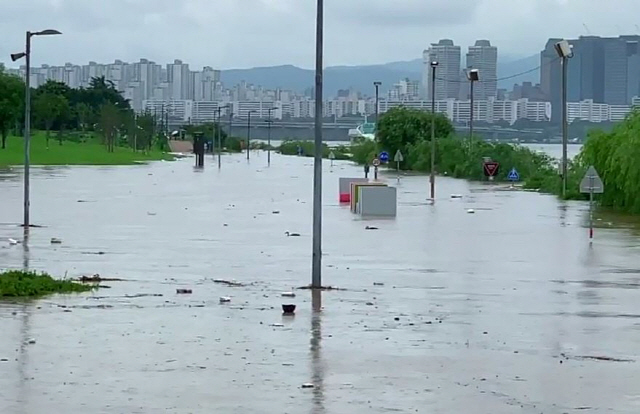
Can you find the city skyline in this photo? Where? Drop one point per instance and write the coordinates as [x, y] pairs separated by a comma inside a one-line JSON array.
[[223, 35]]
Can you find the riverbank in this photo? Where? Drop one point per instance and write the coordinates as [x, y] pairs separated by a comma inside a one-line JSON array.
[[22, 284], [458, 159], [91, 152]]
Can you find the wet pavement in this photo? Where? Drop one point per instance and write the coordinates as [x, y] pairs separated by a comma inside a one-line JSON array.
[[508, 310]]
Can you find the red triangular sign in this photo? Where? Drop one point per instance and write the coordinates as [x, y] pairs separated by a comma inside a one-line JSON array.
[[491, 168]]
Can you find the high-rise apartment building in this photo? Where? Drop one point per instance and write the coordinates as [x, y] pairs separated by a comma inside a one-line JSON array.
[[447, 74], [604, 70], [484, 57], [179, 79]]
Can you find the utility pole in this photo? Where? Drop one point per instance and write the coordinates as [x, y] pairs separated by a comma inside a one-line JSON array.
[[432, 177], [316, 281]]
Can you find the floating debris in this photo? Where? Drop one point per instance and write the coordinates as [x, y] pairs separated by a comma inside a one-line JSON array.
[[55, 241], [288, 294], [456, 195], [184, 291], [371, 228], [471, 211], [378, 284], [289, 234], [144, 295], [97, 279], [225, 299], [232, 283], [12, 242], [288, 309], [307, 385]]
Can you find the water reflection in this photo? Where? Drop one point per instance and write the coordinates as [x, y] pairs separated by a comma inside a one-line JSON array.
[[317, 365], [563, 213], [25, 250], [23, 358]]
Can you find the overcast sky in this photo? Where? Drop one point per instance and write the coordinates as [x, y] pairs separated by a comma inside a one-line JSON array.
[[245, 33]]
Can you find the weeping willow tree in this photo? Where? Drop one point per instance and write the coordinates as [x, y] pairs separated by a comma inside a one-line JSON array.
[[616, 156]]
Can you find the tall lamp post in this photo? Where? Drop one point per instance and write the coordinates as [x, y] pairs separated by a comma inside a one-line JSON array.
[[220, 108], [377, 85], [249, 132], [563, 48], [27, 115], [474, 76], [269, 121], [432, 177], [316, 272]]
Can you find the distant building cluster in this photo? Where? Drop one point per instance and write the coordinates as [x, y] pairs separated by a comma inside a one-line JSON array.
[[604, 85], [451, 82], [605, 70]]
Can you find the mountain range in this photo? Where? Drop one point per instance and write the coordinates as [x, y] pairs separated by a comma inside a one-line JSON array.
[[361, 78]]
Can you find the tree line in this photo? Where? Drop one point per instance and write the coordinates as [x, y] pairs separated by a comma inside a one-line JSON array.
[[98, 109]]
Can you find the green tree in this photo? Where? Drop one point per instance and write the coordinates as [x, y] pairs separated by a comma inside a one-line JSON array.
[[83, 113], [400, 128], [11, 103], [145, 131], [615, 155], [50, 108], [110, 119]]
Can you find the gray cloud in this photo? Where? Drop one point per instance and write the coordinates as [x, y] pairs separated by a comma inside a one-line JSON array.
[[242, 33]]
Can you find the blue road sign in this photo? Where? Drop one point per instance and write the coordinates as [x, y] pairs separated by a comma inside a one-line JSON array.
[[513, 175], [384, 157]]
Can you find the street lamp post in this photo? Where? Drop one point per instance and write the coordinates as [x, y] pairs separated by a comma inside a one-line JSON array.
[[249, 132], [474, 76], [220, 108], [269, 121], [27, 115], [563, 48], [377, 85], [432, 177], [316, 273]]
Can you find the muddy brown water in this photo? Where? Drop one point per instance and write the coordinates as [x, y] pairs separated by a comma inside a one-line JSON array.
[[508, 310]]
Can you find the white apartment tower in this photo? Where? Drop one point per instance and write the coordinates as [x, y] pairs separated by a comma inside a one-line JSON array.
[[448, 71], [484, 57], [178, 77]]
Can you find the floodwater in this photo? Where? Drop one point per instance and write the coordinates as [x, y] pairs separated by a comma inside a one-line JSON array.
[[508, 310]]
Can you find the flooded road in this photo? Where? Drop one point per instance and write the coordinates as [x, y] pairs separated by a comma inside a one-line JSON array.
[[508, 310]]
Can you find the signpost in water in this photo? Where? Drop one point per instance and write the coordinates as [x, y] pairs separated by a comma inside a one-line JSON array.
[[398, 158], [591, 184]]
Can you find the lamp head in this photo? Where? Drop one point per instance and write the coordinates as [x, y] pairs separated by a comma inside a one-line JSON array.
[[377, 83], [434, 64], [16, 56], [563, 49], [48, 32], [473, 75]]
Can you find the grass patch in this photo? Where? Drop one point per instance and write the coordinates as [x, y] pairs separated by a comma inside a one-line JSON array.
[[23, 284], [91, 152]]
